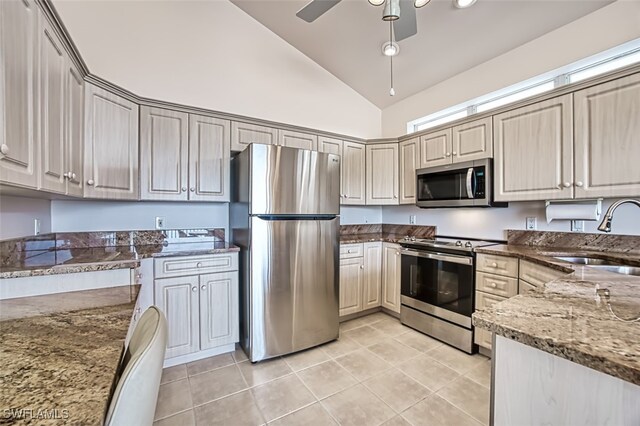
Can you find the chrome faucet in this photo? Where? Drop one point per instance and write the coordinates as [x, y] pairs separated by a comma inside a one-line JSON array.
[[605, 226]]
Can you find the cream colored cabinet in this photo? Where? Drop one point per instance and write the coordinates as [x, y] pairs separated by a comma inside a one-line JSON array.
[[435, 148], [111, 145], [472, 141], [607, 139], [353, 173], [202, 309], [371, 292], [243, 134], [209, 159], [533, 150], [164, 154], [297, 140], [409, 163], [532, 275], [391, 265], [351, 285], [74, 133], [382, 174], [330, 145], [18, 84]]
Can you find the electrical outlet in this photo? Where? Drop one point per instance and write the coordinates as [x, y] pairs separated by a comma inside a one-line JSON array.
[[159, 222], [36, 226], [532, 223], [577, 226], [412, 220]]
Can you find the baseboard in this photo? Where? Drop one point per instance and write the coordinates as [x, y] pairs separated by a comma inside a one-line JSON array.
[[182, 359]]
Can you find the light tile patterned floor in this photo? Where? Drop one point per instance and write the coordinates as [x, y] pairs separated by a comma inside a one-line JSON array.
[[378, 372]]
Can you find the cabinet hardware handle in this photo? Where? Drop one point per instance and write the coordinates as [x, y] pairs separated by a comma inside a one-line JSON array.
[[494, 265], [566, 184], [203, 287], [138, 275], [73, 175], [493, 285], [361, 266], [454, 153], [199, 264], [90, 182], [579, 184], [184, 189], [4, 149], [66, 175], [395, 196], [138, 309], [348, 251], [346, 196], [397, 253], [192, 189], [194, 288], [448, 154]]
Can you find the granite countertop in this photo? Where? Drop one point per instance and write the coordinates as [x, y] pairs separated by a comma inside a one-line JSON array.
[[63, 260], [365, 238], [565, 318], [353, 234], [63, 358]]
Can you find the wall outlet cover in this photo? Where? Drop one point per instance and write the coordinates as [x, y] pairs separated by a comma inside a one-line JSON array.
[[412, 220], [159, 222], [36, 226], [532, 223], [577, 226]]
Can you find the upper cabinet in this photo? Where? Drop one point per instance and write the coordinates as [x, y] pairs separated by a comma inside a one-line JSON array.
[[472, 141], [18, 102], [297, 140], [242, 134], [111, 146], [164, 154], [533, 151], [435, 148], [353, 173], [330, 145], [409, 162], [607, 139], [74, 130], [382, 174], [209, 158]]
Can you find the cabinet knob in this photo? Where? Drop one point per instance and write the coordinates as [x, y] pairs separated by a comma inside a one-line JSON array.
[[4, 149], [66, 175], [138, 276], [348, 251], [346, 196], [494, 285], [194, 288], [494, 265], [579, 184], [199, 264], [397, 253], [395, 196], [361, 266], [90, 182], [448, 154], [184, 189], [454, 153], [566, 184], [203, 287], [73, 175], [192, 189]]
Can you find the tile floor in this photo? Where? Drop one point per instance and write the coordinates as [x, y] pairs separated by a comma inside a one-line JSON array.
[[378, 372]]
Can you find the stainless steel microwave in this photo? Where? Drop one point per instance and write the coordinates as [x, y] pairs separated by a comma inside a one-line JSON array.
[[468, 184]]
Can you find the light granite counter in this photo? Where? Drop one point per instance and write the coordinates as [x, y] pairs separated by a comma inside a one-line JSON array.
[[567, 319]]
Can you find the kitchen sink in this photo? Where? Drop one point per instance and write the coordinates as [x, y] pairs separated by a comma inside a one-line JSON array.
[[603, 264]]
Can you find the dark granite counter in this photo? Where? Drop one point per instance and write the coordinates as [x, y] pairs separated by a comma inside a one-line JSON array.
[[352, 234], [567, 318], [61, 352]]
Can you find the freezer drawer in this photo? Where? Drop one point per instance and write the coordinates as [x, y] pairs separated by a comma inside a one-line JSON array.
[[292, 290]]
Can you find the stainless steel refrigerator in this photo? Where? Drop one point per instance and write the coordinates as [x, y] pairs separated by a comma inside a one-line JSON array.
[[284, 217]]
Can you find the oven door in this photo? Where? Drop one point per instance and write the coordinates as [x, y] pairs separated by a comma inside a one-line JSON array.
[[439, 284]]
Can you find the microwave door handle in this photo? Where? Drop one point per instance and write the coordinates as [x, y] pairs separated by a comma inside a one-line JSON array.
[[470, 191]]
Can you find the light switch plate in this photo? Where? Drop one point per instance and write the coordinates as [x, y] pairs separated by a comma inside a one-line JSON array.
[[532, 223], [36, 226], [412, 220], [159, 222]]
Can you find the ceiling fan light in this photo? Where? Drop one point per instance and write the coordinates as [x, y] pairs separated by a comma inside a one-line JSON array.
[[390, 49], [461, 4], [377, 2], [391, 10], [420, 3]]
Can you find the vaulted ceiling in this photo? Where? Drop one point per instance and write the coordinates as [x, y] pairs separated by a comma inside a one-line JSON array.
[[347, 40]]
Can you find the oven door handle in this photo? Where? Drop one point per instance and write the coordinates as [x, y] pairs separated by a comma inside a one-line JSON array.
[[470, 191], [463, 260]]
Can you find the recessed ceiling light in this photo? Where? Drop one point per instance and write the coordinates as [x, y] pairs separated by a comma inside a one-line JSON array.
[[377, 2], [390, 49], [420, 3], [461, 4]]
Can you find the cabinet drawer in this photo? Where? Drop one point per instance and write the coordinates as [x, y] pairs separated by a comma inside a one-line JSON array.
[[482, 337], [180, 266], [351, 250], [501, 265], [524, 286], [496, 284], [484, 300], [536, 274]]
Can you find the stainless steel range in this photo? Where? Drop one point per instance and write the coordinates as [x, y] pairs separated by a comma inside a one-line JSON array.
[[438, 288]]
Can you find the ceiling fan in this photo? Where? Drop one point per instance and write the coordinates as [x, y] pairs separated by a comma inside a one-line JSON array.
[[402, 28]]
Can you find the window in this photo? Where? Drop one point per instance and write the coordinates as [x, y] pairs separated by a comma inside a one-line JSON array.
[[609, 60]]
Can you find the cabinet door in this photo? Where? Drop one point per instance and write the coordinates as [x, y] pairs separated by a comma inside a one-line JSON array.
[[111, 146], [209, 158], [351, 283], [74, 132], [242, 134], [372, 284], [391, 277], [178, 299], [164, 154], [353, 173], [18, 103], [607, 140], [409, 162], [382, 174], [297, 140], [219, 313], [435, 148], [534, 151], [52, 114], [329, 145], [472, 141]]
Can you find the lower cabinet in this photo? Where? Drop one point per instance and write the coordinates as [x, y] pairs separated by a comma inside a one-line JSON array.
[[351, 283], [391, 276], [360, 277], [372, 275], [201, 309]]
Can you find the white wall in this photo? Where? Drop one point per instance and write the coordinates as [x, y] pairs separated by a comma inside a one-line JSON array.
[[79, 216], [17, 216], [213, 55], [354, 215], [603, 29], [492, 222]]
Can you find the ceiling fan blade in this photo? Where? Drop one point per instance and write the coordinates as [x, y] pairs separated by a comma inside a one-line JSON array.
[[315, 9], [407, 25]]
